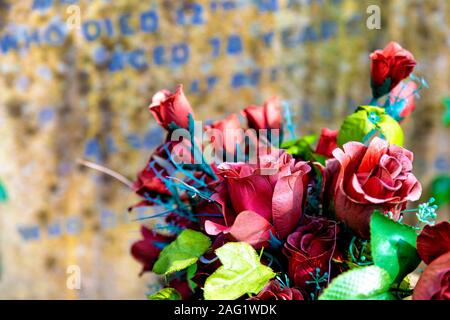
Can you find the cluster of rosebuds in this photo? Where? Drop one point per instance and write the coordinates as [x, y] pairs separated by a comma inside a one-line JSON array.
[[302, 219]]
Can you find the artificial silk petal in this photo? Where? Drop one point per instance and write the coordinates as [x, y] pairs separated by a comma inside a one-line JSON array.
[[434, 241], [252, 228], [287, 204]]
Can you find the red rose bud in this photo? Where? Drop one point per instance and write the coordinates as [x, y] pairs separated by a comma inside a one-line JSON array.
[[434, 283], [310, 249], [388, 67], [230, 131], [434, 241], [148, 182], [168, 108], [275, 291], [146, 251], [266, 117], [374, 177], [327, 142]]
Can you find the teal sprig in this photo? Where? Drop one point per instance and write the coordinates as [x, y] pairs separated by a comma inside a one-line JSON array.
[[426, 214], [317, 281], [283, 282], [288, 120]]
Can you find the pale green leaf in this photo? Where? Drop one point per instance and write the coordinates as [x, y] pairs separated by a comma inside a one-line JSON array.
[[241, 273], [391, 129], [368, 121], [165, 294], [182, 252], [367, 283], [355, 127]]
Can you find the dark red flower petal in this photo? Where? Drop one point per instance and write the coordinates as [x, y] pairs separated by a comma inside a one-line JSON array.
[[434, 283], [434, 241]]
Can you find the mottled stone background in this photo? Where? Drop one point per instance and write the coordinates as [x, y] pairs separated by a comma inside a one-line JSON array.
[[70, 93]]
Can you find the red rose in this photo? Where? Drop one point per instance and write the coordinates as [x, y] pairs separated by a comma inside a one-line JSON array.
[[327, 142], [274, 291], [168, 108], [374, 177], [434, 241], [388, 67], [149, 183], [434, 283], [311, 248], [254, 204], [147, 251], [266, 117]]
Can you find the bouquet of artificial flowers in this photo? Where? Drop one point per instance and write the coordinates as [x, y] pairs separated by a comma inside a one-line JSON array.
[[253, 212]]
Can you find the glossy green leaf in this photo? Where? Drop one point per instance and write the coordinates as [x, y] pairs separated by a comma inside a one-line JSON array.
[[165, 294], [241, 272], [367, 283], [367, 121], [393, 246], [182, 252]]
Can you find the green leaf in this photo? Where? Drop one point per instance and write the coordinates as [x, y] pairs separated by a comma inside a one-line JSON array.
[[182, 252], [393, 246], [367, 121], [190, 274], [367, 283], [165, 294], [241, 272], [302, 148]]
